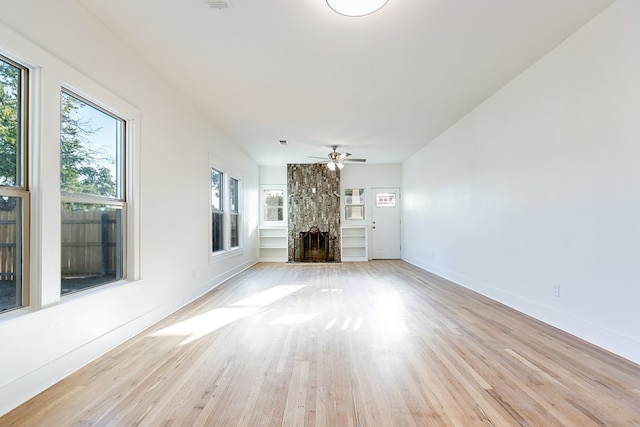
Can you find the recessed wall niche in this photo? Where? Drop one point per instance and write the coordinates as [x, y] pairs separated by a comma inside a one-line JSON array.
[[314, 201]]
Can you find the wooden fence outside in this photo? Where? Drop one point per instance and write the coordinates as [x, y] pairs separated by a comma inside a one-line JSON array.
[[8, 245], [89, 244]]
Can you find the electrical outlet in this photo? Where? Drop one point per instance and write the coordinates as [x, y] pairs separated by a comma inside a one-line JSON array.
[[556, 290]]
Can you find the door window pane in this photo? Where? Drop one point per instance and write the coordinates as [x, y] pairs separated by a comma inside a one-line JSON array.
[[385, 200]]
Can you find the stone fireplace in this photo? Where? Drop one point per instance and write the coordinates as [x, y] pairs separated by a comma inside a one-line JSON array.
[[313, 193]]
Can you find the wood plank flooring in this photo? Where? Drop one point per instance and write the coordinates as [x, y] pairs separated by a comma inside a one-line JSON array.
[[381, 343]]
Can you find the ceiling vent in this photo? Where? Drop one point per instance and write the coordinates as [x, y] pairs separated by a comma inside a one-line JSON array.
[[219, 4]]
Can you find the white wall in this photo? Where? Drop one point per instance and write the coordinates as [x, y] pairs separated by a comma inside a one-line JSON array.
[[273, 175], [539, 186], [368, 176], [41, 345]]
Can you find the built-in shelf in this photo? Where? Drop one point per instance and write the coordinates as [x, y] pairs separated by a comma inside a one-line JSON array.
[[273, 244], [354, 243]]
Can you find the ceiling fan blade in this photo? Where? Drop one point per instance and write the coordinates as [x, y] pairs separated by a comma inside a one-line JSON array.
[[354, 160], [343, 156], [316, 157]]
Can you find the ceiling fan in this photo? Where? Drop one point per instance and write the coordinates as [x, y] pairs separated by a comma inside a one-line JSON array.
[[336, 159]]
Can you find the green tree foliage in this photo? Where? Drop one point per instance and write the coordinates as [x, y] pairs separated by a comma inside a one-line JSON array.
[[82, 162], [82, 167], [9, 109]]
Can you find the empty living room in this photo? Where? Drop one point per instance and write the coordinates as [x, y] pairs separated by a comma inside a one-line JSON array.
[[319, 213]]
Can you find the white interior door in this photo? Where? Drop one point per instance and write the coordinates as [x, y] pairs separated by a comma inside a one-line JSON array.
[[385, 223]]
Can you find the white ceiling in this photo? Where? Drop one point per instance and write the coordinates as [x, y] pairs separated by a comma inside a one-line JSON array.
[[380, 86]]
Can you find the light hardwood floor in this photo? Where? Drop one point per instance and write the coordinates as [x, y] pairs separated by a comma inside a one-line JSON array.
[[381, 343]]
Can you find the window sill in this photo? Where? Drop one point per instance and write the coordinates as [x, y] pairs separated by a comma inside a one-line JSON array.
[[224, 255]]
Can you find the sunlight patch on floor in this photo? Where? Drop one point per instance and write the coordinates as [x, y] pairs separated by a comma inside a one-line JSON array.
[[294, 319], [203, 324], [345, 325], [198, 326], [268, 297]]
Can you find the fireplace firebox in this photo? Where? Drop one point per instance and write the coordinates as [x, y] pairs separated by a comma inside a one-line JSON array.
[[315, 245]]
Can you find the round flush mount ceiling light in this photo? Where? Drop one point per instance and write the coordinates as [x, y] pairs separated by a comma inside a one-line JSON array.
[[356, 7]]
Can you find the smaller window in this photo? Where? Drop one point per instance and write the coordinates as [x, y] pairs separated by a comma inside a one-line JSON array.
[[354, 203], [273, 207], [217, 210], [234, 213]]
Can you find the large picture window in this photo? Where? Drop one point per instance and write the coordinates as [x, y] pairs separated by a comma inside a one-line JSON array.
[[92, 184], [14, 198]]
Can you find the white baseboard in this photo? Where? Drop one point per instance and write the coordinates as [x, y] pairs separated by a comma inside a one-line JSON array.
[[604, 338]]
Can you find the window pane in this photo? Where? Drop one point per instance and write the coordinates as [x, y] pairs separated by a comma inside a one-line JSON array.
[[233, 195], [354, 212], [354, 196], [354, 203], [91, 143], [217, 239], [216, 232], [10, 253], [234, 218], [273, 213], [235, 236], [92, 249], [216, 190], [273, 205], [11, 127]]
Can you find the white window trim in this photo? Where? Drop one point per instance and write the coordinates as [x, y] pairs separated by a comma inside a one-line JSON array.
[[285, 217], [345, 205], [105, 100], [44, 187], [227, 172]]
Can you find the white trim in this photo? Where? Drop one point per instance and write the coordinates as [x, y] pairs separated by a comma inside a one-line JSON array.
[[44, 177], [285, 217], [227, 172]]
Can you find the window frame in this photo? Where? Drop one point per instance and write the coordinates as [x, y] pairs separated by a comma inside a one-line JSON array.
[[234, 213], [348, 203], [263, 199], [119, 202], [220, 211], [41, 168], [20, 190], [228, 173]]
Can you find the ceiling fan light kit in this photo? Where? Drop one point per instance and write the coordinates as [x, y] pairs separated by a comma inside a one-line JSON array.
[[336, 159], [356, 7]]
